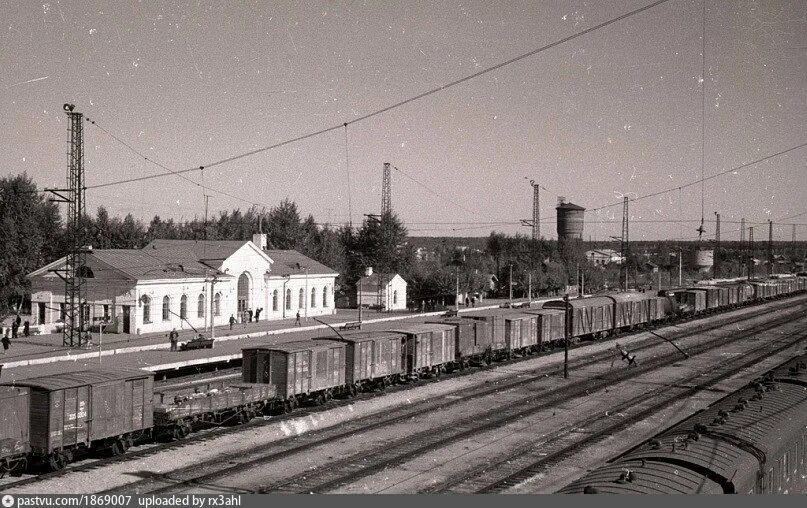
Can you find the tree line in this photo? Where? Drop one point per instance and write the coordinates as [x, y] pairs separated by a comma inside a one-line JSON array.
[[33, 233]]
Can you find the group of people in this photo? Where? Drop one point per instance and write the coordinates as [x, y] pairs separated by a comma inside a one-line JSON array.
[[13, 333], [247, 316]]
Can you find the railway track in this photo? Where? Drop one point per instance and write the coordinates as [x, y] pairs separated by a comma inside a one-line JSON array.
[[535, 458], [398, 451]]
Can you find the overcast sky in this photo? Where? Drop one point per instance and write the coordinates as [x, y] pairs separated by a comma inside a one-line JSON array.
[[613, 112]]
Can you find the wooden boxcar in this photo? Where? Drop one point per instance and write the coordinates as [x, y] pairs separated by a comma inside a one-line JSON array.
[[14, 421], [521, 332], [300, 371], [373, 358], [634, 309], [495, 320], [429, 348], [711, 296], [472, 340], [92, 408], [589, 316], [237, 403], [550, 326]]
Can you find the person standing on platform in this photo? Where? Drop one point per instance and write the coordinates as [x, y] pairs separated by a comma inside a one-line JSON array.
[[172, 338], [232, 321], [249, 313], [26, 329], [258, 314], [14, 328], [297, 322], [6, 342]]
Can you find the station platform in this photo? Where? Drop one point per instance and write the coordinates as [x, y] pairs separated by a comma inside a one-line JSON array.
[[45, 354]]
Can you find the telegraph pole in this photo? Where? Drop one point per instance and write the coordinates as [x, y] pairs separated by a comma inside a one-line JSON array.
[[625, 238], [750, 253], [386, 190], [770, 247], [715, 262]]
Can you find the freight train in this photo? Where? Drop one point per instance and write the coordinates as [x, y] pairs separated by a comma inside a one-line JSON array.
[[753, 441], [47, 420]]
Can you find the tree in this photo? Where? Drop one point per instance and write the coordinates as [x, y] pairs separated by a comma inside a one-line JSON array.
[[284, 228], [30, 234], [383, 244]]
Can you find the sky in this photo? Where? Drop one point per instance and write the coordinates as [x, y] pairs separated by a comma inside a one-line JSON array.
[[617, 111]]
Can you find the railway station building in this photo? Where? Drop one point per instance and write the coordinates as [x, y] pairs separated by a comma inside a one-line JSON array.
[[182, 283]]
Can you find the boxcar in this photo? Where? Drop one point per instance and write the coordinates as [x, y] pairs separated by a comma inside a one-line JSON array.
[[429, 348], [634, 309], [550, 326], [472, 340], [301, 371], [14, 420], [710, 296], [495, 321], [174, 414], [521, 332], [590, 317], [105, 408], [373, 358]]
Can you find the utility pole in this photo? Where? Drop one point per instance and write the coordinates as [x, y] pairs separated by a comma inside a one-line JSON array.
[[206, 202], [511, 282], [566, 335], [770, 247], [715, 262], [750, 253], [625, 237], [529, 288], [457, 297], [680, 267]]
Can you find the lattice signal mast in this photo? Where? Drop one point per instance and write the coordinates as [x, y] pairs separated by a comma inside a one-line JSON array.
[[742, 230], [536, 210], [386, 191], [75, 269]]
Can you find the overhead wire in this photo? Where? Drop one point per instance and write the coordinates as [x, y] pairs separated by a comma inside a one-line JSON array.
[[395, 105]]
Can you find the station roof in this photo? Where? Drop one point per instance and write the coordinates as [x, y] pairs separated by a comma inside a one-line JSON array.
[[291, 262]]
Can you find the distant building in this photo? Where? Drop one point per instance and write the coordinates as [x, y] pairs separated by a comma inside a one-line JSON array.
[[181, 283], [604, 257], [387, 290]]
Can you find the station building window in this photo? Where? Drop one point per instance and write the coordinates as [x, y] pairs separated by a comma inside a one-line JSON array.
[[166, 308]]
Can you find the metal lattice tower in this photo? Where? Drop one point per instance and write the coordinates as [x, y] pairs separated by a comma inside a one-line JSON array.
[[536, 210], [386, 191], [742, 229], [716, 261], [625, 238], [750, 253], [75, 269]]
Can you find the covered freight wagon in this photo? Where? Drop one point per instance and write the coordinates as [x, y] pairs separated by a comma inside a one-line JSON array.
[[550, 326], [100, 408], [589, 316], [372, 357], [301, 371], [521, 332], [635, 309], [14, 439], [472, 340], [429, 348]]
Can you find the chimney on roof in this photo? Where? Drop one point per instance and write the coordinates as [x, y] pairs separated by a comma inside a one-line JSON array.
[[368, 271], [259, 239]]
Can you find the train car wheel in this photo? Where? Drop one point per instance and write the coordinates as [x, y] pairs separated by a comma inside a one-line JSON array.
[[56, 461]]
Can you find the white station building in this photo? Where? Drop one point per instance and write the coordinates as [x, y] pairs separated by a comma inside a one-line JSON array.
[[387, 290], [177, 283]]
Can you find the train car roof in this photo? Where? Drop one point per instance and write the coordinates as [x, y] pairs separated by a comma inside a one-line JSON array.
[[361, 336], [420, 328], [650, 477], [81, 378], [298, 345]]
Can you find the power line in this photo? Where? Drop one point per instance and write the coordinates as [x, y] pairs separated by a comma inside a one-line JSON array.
[[732, 170], [395, 105]]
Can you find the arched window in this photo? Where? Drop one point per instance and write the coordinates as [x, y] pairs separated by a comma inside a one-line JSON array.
[[200, 306], [183, 307], [313, 297], [146, 309], [166, 308], [288, 299], [274, 300], [395, 297], [217, 305], [301, 299], [325, 296], [243, 292]]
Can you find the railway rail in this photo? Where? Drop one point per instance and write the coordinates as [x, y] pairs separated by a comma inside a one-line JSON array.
[[401, 450]]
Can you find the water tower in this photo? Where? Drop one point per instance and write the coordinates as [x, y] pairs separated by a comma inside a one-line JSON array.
[[570, 220]]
